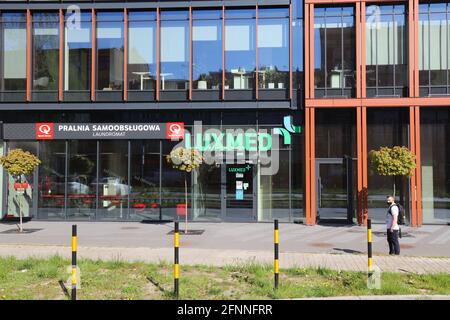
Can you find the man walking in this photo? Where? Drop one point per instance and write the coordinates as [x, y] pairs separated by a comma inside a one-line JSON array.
[[392, 226]]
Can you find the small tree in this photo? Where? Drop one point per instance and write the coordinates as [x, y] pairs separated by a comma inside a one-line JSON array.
[[18, 164], [395, 161], [185, 160]]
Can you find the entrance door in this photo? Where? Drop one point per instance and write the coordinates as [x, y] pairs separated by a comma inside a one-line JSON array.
[[334, 195], [239, 192]]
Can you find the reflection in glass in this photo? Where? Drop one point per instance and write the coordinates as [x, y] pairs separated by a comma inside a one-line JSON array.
[[113, 179], [142, 50], [109, 51], [240, 53], [386, 50], [14, 55], [81, 179], [45, 51], [174, 50], [52, 179], [207, 49], [435, 164], [334, 51], [77, 57], [273, 48], [145, 171]]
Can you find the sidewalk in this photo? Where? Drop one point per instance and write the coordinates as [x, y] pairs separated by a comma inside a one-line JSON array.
[[189, 256]]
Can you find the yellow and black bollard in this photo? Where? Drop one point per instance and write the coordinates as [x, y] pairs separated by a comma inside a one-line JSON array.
[[369, 249], [176, 266], [74, 262], [276, 262]]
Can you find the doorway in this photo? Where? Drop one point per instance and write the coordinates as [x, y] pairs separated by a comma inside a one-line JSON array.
[[335, 190]]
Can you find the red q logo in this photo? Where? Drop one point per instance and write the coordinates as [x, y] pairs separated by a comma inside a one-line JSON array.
[[44, 131], [175, 130]]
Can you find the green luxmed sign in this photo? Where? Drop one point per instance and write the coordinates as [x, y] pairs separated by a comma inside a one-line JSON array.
[[238, 140]]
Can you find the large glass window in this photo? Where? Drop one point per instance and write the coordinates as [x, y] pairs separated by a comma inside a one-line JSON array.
[[81, 179], [387, 127], [109, 55], [52, 179], [14, 45], [77, 57], [174, 50], [141, 55], [145, 179], [297, 59], [273, 48], [434, 54], [334, 51], [240, 53], [113, 180], [45, 56], [207, 49], [386, 51], [435, 164]]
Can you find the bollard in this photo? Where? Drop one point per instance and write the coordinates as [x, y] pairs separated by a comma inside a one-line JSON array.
[[74, 262], [276, 263], [176, 266], [369, 249]]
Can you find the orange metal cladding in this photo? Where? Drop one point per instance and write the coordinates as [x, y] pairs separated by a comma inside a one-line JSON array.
[[223, 52], [363, 50], [418, 166], [364, 164], [190, 53], [158, 29], [125, 54], [359, 162], [412, 181], [313, 166], [93, 55], [28, 88], [307, 50], [308, 168], [411, 55], [290, 51], [416, 50], [61, 53], [311, 50], [358, 48], [256, 47]]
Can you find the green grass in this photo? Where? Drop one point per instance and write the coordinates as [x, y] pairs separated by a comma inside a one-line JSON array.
[[34, 278]]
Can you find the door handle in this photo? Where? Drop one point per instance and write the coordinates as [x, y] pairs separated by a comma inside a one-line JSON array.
[[319, 181]]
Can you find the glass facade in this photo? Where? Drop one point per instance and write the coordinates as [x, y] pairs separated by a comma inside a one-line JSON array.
[[45, 56], [334, 52], [386, 51], [14, 44]]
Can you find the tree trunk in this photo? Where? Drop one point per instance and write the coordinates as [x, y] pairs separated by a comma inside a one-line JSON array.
[[20, 216], [394, 189], [186, 203]]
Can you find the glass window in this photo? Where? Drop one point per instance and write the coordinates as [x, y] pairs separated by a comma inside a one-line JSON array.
[[388, 128], [386, 50], [273, 48], [434, 54], [297, 59], [240, 53], [174, 50], [45, 54], [207, 49], [81, 179], [141, 51], [77, 56], [14, 79], [109, 51], [435, 164], [334, 51], [145, 175], [52, 172], [113, 180]]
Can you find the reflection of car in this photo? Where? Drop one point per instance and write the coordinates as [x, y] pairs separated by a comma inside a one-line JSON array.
[[112, 186]]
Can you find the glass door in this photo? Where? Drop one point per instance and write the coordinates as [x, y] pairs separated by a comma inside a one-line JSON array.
[[239, 192], [334, 190]]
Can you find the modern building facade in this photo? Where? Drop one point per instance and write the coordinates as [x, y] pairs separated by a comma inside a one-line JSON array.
[[285, 98]]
